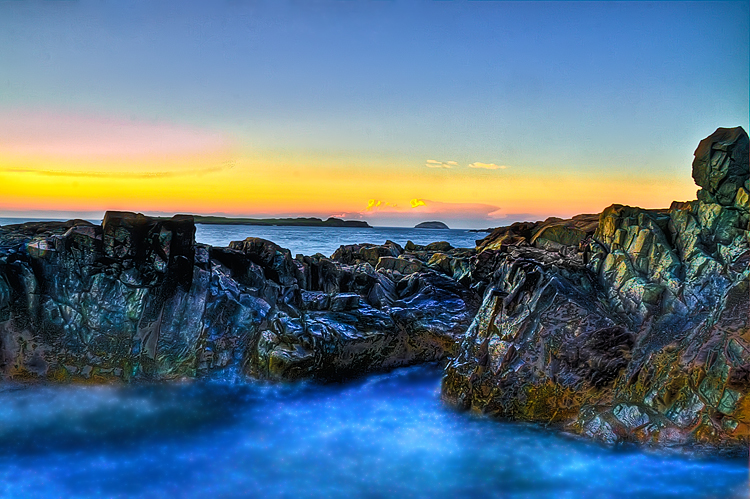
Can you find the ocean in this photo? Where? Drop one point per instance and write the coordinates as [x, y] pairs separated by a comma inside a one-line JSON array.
[[312, 240], [384, 435], [326, 240]]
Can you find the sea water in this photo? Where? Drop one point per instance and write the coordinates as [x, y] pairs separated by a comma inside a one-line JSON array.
[[385, 435], [326, 240], [311, 240]]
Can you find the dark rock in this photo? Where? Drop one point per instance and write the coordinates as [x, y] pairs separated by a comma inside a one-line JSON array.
[[344, 301], [720, 166], [137, 299], [276, 261]]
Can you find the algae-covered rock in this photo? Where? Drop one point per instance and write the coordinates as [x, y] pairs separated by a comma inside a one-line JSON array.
[[400, 265], [552, 234]]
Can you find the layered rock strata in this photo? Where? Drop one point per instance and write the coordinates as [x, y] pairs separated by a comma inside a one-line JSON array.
[[633, 329], [137, 298]]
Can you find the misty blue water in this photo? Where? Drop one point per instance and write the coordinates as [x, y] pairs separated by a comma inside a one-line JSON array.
[[387, 435]]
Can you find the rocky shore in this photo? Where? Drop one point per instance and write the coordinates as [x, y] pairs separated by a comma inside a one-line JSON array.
[[640, 337], [137, 298], [625, 326]]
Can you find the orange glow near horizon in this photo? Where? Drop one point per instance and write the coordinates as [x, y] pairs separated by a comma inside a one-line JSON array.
[[55, 162], [205, 184]]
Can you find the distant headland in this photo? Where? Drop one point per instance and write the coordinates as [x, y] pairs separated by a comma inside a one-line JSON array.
[[301, 221]]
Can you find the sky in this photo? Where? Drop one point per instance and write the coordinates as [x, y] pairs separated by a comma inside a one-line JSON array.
[[476, 113]]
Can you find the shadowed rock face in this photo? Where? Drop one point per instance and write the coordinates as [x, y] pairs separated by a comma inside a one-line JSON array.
[[137, 298], [720, 167], [648, 341]]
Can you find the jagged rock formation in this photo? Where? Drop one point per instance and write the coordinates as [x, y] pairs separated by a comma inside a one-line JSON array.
[[643, 336], [137, 298], [553, 233]]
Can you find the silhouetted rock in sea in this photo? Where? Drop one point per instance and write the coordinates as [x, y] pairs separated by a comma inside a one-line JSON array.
[[627, 326], [641, 337], [137, 298]]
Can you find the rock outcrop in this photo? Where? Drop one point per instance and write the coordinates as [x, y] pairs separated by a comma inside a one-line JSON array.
[[137, 298], [640, 336]]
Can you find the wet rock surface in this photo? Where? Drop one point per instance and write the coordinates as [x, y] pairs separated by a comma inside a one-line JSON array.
[[630, 329], [137, 298]]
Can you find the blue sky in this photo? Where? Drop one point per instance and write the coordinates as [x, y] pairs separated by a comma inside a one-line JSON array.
[[619, 90]]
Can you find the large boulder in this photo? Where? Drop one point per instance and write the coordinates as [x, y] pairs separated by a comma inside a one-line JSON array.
[[720, 166], [369, 253]]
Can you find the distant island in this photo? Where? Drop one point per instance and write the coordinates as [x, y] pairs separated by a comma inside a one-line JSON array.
[[300, 222], [431, 225]]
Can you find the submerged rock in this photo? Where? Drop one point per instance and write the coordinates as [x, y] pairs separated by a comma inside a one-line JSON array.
[[641, 336]]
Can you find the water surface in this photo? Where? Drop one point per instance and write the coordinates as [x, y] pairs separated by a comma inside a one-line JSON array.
[[383, 436], [311, 240], [326, 240]]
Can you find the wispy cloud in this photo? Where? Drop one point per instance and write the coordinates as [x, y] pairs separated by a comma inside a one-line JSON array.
[[121, 174], [420, 206], [431, 163], [377, 205], [73, 136], [487, 166]]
